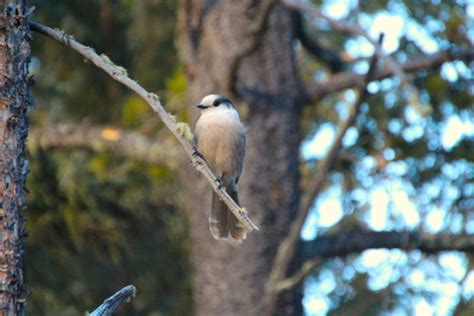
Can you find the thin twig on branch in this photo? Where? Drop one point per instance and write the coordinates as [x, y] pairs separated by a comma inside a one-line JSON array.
[[344, 244], [287, 248], [113, 302], [179, 129], [127, 143]]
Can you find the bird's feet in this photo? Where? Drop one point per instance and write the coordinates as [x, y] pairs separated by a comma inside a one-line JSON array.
[[196, 153], [220, 184]]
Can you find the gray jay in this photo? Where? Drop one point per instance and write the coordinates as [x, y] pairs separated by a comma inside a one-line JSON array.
[[220, 140]]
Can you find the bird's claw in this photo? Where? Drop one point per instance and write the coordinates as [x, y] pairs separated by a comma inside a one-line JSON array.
[[220, 184], [196, 153]]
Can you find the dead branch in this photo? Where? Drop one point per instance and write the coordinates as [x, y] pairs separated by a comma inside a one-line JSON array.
[[287, 248], [180, 130], [127, 143], [113, 302]]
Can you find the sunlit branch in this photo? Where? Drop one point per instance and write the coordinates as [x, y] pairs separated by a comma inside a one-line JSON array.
[[179, 129]]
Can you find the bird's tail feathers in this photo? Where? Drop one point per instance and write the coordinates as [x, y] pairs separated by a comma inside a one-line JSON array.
[[218, 218], [222, 221], [237, 229]]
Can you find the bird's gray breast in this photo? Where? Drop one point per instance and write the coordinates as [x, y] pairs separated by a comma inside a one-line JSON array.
[[221, 140]]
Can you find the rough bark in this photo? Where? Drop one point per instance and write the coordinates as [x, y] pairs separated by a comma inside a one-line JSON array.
[[14, 102], [229, 279]]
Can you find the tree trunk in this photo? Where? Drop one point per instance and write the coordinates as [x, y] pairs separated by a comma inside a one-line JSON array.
[[229, 279], [14, 102]]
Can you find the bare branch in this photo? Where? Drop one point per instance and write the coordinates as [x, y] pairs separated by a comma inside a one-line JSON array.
[[344, 244], [126, 143], [179, 129], [113, 302], [348, 80], [287, 248]]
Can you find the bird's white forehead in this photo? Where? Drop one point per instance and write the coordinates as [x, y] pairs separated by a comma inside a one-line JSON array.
[[220, 111], [209, 99]]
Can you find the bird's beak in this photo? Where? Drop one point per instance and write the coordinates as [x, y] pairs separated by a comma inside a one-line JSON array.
[[202, 106]]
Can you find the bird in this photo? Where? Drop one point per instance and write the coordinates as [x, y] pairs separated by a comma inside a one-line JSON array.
[[219, 137]]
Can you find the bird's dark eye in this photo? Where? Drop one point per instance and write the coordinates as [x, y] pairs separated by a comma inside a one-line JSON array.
[[216, 103]]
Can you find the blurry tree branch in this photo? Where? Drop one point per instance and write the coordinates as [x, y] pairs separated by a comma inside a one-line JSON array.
[[127, 143], [312, 45], [288, 247], [290, 282], [113, 302], [357, 30], [348, 80], [391, 67], [344, 244], [180, 130]]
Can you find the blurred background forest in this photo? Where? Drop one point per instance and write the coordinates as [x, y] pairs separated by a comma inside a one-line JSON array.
[[98, 219]]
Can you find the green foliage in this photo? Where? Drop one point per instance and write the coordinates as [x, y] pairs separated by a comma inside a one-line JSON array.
[[176, 92], [135, 111], [104, 224]]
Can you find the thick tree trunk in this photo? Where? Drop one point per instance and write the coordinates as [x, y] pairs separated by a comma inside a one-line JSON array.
[[229, 279], [14, 102]]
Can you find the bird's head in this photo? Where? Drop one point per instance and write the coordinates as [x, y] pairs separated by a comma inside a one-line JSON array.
[[214, 102]]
